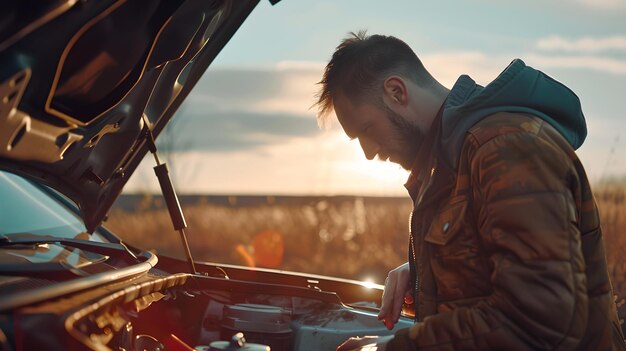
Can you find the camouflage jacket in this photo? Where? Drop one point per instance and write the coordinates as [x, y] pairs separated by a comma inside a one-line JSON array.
[[507, 247]]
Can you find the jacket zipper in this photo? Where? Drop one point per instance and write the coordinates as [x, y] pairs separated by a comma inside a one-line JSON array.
[[419, 269], [417, 275]]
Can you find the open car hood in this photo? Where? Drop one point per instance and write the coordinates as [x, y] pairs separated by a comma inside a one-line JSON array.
[[84, 83]]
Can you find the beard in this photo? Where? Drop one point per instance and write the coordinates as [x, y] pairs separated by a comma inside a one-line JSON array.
[[408, 136]]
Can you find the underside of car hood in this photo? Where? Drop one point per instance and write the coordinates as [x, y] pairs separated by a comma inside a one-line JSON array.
[[83, 84]]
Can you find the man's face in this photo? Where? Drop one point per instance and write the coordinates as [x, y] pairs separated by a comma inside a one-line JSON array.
[[380, 131]]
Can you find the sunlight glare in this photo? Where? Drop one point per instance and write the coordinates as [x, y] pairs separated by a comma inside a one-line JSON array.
[[369, 283], [384, 173]]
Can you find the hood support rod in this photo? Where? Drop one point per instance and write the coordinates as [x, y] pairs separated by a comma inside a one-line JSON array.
[[171, 199]]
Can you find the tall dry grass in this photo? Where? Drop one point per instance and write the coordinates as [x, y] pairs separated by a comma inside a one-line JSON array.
[[611, 199], [359, 238]]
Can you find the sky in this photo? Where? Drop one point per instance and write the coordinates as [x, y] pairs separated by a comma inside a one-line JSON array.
[[247, 127]]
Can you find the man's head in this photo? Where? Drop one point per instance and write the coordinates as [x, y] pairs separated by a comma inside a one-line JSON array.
[[382, 95]]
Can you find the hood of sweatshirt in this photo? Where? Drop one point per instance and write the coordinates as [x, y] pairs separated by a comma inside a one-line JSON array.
[[518, 88]]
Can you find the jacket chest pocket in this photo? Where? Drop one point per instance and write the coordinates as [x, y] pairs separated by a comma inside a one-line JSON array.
[[447, 223], [451, 239]]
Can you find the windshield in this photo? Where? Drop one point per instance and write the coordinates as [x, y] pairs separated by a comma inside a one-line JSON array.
[[26, 208], [27, 211]]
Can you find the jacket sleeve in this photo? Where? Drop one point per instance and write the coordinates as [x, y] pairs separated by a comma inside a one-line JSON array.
[[527, 221]]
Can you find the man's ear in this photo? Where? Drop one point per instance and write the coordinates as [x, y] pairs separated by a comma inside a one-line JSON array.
[[395, 91]]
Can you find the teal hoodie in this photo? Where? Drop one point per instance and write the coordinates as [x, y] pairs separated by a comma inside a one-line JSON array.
[[518, 88]]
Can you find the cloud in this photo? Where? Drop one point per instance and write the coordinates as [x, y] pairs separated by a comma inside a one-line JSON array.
[[604, 4], [301, 65], [604, 54], [227, 131], [288, 87], [583, 45], [244, 108], [597, 63], [483, 68]]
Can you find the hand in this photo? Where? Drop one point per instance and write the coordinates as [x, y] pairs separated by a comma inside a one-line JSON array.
[[397, 291], [370, 343]]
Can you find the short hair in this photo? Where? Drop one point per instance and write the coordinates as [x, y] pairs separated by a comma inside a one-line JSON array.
[[359, 66]]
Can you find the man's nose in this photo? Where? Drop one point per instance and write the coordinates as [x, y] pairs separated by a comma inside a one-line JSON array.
[[370, 148]]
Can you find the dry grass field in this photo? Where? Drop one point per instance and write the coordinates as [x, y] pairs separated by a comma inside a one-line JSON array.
[[352, 237]]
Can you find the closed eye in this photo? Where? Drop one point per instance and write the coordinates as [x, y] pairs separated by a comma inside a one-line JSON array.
[[364, 131]]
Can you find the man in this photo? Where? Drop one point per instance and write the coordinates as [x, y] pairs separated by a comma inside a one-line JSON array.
[[506, 250]]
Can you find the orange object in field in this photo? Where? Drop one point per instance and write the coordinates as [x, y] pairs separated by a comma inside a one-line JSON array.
[[269, 248]]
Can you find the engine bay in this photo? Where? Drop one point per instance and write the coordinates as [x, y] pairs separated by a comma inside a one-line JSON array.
[[187, 312]]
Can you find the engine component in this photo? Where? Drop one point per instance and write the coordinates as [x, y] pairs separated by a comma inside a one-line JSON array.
[[238, 342], [268, 325]]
